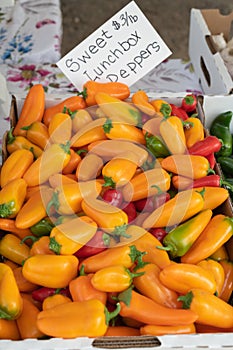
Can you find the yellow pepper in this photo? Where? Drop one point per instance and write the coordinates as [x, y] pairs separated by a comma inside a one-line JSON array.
[[216, 269], [87, 318], [15, 165], [10, 299], [117, 110], [172, 132], [52, 271], [21, 142], [71, 235], [11, 247], [12, 197]]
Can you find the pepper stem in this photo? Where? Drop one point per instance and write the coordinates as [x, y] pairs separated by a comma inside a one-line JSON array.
[[111, 315]]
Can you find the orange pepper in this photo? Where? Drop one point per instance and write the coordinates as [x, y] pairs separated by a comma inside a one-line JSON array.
[[183, 277], [121, 331], [73, 163], [146, 184], [228, 281], [194, 167], [11, 247], [213, 196], [115, 89], [53, 271], [82, 289], [10, 299], [146, 310], [52, 161], [72, 235], [8, 225], [41, 246], [193, 130], [70, 104], [32, 110], [152, 126], [220, 254], [145, 242], [58, 180], [67, 199], [38, 134], [34, 209], [89, 167], [115, 278], [79, 119], [118, 110], [60, 128], [207, 243], [106, 216], [181, 182], [27, 321], [90, 132], [108, 149], [77, 319], [54, 300], [151, 329], [216, 269], [183, 206], [9, 330], [172, 132], [210, 309], [15, 143], [150, 285], [12, 197], [141, 100], [203, 328], [23, 284], [161, 107], [15, 166], [118, 171], [116, 130], [117, 255]]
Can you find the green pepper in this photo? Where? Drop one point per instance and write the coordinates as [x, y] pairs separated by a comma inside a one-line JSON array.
[[180, 239], [226, 164], [42, 228], [221, 129], [156, 146]]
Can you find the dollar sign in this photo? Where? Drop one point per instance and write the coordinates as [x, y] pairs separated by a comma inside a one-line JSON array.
[[116, 25]]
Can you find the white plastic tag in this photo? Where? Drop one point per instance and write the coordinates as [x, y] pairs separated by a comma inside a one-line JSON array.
[[125, 48]]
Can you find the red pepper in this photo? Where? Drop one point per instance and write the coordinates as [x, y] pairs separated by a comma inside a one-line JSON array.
[[41, 293], [189, 103], [113, 197], [158, 232], [210, 144], [145, 204], [212, 160], [160, 199], [209, 180], [97, 244], [179, 112], [130, 210]]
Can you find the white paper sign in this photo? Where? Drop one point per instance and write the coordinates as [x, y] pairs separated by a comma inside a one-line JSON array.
[[124, 49]]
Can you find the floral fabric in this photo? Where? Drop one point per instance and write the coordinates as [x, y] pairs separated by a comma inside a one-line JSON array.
[[23, 29]]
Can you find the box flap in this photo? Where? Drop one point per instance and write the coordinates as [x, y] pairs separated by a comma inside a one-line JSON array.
[[218, 23]]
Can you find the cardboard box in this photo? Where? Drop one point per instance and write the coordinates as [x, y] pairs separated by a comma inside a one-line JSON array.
[[167, 342], [208, 64]]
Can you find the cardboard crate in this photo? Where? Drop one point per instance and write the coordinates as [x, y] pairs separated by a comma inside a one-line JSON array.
[[208, 64], [203, 341]]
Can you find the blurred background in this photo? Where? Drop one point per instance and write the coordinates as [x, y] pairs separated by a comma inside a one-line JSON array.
[[170, 18]]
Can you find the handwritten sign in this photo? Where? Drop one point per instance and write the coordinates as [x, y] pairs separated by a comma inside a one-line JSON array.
[[125, 48]]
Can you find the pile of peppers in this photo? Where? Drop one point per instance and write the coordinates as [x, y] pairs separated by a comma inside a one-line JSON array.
[[112, 218]]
